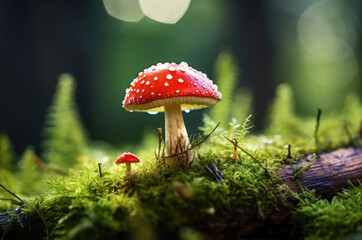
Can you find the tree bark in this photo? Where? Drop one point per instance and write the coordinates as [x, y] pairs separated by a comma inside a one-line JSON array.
[[328, 174]]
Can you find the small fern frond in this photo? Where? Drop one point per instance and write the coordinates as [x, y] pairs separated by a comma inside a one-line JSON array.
[[6, 153], [282, 118], [29, 173], [64, 132], [242, 104], [226, 75]]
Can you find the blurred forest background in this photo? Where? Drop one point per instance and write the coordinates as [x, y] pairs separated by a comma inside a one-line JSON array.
[[315, 46]]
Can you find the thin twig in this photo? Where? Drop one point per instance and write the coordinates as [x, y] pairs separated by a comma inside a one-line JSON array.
[[18, 212], [195, 145], [266, 170], [214, 174], [21, 201], [100, 169], [319, 113], [11, 200], [289, 152]]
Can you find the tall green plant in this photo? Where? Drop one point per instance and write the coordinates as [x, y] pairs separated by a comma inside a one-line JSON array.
[[64, 132], [226, 75], [242, 105], [29, 173], [6, 153], [282, 118]]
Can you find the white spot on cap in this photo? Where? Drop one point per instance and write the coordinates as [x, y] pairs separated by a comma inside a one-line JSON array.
[[152, 93], [159, 94], [180, 80], [148, 82], [195, 84], [151, 86], [138, 91], [144, 75], [203, 86], [141, 97], [143, 90], [155, 78], [166, 84], [172, 69], [159, 64], [169, 76], [143, 81], [184, 64], [140, 73], [177, 91], [197, 91]]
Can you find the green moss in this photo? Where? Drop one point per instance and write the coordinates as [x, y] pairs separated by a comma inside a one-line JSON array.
[[320, 219], [172, 202]]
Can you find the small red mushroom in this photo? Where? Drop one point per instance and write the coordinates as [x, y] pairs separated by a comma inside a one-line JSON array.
[[171, 88], [127, 158]]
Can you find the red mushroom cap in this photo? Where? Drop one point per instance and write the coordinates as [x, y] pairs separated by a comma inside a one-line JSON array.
[[170, 83], [127, 158]]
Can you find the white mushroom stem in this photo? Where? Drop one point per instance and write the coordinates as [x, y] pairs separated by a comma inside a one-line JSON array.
[[177, 140], [128, 168]]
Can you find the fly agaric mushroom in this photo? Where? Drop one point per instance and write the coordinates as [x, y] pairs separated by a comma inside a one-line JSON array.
[[127, 158], [171, 88]]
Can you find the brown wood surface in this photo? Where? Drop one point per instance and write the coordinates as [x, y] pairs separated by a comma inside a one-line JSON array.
[[328, 174]]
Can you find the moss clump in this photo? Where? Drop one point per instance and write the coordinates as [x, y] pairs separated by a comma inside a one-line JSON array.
[[320, 219], [85, 206], [173, 203]]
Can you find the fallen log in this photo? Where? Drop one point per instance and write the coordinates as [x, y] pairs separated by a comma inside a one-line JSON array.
[[327, 174]]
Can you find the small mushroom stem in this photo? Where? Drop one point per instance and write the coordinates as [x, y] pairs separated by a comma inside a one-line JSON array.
[[128, 168], [177, 140]]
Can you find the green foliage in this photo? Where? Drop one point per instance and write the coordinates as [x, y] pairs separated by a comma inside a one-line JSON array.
[[320, 219], [174, 203], [226, 76], [6, 153], [242, 105], [282, 117], [84, 206], [7, 177], [29, 173], [64, 133], [352, 112]]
